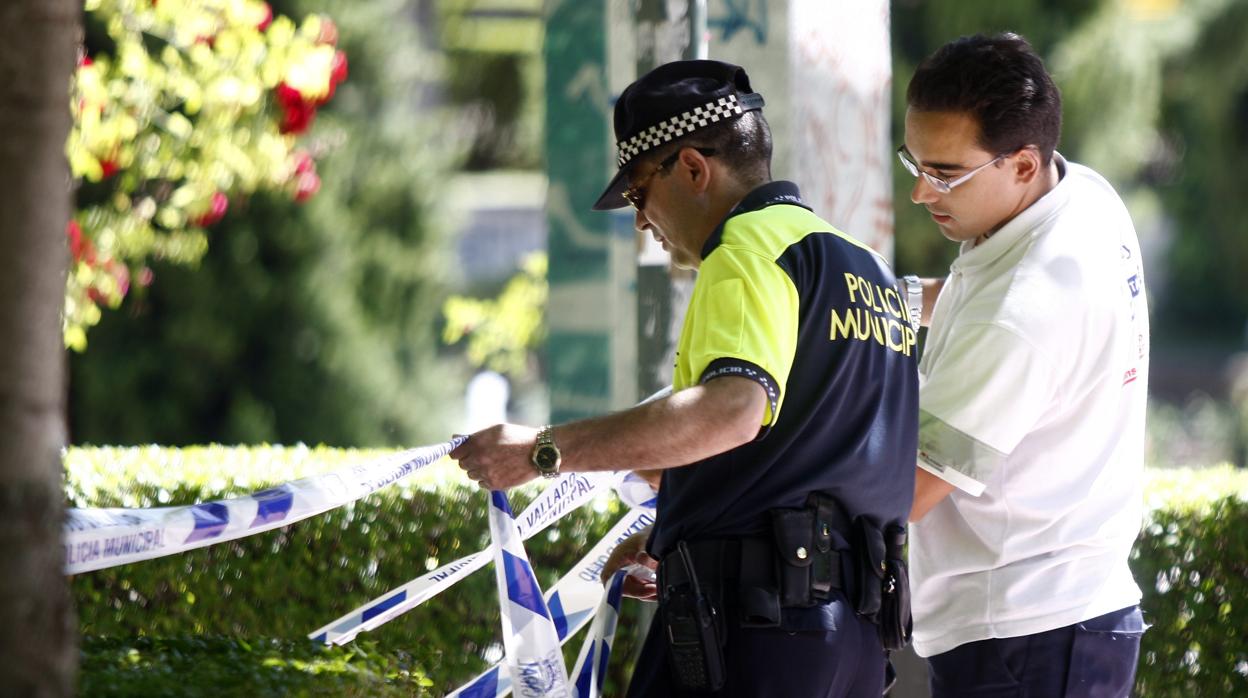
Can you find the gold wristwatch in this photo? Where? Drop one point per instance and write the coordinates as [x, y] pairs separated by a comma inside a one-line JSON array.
[[546, 457]]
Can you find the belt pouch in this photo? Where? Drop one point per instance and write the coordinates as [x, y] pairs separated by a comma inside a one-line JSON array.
[[757, 594], [794, 531], [689, 619], [869, 568]]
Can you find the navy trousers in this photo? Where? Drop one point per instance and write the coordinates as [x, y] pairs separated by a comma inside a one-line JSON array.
[[847, 662], [1092, 659]]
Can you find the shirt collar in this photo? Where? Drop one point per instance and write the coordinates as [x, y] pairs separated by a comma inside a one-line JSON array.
[[1020, 227], [769, 194]]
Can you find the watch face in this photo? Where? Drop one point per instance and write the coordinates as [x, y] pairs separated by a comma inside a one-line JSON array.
[[547, 458]]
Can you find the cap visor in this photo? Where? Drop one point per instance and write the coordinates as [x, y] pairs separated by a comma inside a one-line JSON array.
[[613, 196]]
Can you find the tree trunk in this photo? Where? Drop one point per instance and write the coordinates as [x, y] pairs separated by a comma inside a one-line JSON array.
[[37, 631]]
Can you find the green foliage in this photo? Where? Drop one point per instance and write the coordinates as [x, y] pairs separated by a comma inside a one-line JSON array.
[[503, 333], [1191, 562], [194, 666], [1197, 171], [175, 113], [304, 322], [285, 583]]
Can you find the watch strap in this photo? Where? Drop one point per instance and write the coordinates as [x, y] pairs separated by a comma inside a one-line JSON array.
[[912, 291]]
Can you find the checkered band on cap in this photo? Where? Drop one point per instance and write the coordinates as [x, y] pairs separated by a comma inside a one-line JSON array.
[[677, 126]]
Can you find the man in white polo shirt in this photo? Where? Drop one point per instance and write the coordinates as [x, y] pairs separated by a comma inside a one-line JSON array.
[[1032, 391]]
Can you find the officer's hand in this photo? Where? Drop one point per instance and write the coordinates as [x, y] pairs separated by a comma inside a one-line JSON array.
[[628, 553], [499, 457]]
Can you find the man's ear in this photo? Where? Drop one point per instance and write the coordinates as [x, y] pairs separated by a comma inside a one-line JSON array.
[[1027, 165], [697, 168]]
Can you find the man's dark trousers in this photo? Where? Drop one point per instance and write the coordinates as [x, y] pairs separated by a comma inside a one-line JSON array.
[[1092, 659], [763, 663]]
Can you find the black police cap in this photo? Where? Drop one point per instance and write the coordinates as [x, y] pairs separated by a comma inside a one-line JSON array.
[[672, 101]]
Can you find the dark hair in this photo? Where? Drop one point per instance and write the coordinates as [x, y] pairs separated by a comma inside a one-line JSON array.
[[1001, 82], [743, 144]]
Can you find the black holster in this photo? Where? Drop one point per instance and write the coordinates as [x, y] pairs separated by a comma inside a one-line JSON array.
[[692, 624], [896, 623], [882, 583]]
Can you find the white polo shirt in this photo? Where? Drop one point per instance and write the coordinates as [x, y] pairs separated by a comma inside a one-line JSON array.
[[1032, 399]]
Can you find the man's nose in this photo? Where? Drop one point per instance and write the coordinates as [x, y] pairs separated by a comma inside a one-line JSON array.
[[923, 192]]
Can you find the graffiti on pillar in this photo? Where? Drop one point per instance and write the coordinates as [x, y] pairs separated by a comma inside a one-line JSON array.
[[589, 84], [740, 16], [569, 217], [841, 116]]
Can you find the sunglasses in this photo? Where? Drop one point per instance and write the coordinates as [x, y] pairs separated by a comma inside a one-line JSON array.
[[635, 195]]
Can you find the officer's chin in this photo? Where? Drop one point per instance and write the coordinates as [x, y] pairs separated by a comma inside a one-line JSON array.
[[680, 261]]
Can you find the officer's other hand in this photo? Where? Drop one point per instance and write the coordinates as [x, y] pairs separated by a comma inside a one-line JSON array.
[[498, 457], [628, 553], [638, 585]]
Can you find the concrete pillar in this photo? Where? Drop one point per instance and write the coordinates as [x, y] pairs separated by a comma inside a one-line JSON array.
[[591, 350], [824, 67]]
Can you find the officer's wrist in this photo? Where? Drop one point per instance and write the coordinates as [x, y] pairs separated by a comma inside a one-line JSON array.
[[912, 291]]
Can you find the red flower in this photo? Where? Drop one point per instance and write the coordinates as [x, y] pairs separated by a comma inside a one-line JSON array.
[[73, 231], [215, 212], [287, 95], [337, 73], [121, 273], [338, 68], [268, 18], [297, 112], [146, 276], [79, 245], [329, 32], [297, 119], [303, 162], [109, 167], [307, 185]]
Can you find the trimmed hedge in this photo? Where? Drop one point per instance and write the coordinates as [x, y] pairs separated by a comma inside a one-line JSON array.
[[231, 619], [285, 583], [1191, 561]]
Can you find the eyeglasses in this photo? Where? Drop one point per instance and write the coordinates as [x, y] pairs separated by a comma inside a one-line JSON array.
[[940, 184], [636, 194]]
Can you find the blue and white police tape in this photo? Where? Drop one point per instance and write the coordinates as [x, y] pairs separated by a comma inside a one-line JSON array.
[[564, 495], [591, 666], [95, 539], [99, 538], [572, 601], [533, 657]]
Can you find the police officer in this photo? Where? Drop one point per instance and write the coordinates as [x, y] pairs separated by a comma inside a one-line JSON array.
[[791, 429]]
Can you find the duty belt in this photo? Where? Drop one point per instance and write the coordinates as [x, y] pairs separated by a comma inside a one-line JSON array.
[[758, 576]]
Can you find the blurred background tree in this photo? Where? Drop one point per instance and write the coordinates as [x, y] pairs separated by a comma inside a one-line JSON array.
[[307, 319], [504, 334], [495, 79]]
